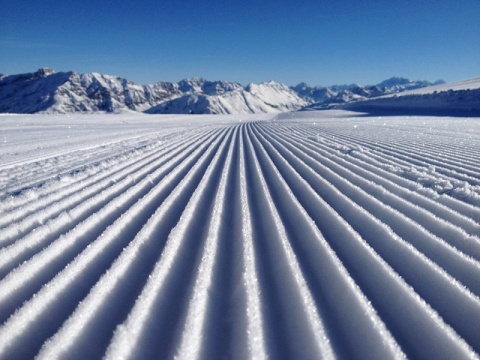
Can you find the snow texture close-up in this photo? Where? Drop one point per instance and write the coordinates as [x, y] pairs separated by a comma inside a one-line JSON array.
[[309, 235]]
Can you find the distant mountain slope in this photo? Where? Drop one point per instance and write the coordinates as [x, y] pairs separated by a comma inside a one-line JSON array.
[[469, 84], [461, 96], [325, 97]]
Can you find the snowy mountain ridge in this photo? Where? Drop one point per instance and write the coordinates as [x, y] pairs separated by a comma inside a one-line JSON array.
[[457, 97], [221, 97], [325, 97], [67, 92]]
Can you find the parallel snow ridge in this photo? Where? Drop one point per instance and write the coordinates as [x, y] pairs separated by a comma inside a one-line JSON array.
[[305, 235]]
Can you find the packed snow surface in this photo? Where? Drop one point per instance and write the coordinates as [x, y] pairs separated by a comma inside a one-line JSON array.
[[307, 235]]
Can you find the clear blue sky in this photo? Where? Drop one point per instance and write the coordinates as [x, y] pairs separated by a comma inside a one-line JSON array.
[[319, 42]]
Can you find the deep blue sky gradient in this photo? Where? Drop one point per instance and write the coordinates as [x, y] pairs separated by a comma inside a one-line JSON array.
[[319, 42]]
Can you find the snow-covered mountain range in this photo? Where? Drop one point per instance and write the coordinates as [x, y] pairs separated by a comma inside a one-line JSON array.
[[204, 97], [322, 97], [67, 92]]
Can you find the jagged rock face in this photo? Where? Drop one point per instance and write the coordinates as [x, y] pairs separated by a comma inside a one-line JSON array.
[[202, 86], [30, 93], [65, 92], [44, 72]]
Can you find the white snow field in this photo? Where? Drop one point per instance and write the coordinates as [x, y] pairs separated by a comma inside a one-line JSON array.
[[307, 235]]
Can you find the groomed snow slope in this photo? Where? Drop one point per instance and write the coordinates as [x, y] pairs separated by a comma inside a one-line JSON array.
[[299, 236]]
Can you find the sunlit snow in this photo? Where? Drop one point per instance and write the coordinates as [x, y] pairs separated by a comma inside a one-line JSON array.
[[329, 234]]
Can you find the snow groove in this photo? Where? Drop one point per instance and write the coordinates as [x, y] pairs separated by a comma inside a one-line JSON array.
[[377, 203], [119, 167], [307, 235]]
